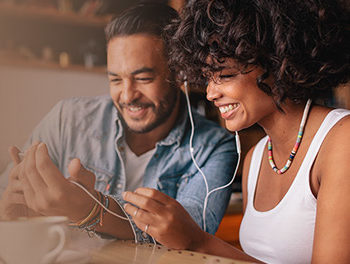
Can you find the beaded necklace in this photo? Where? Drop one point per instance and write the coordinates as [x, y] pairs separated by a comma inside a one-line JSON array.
[[296, 146]]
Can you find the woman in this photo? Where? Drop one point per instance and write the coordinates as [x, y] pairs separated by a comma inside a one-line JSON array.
[[269, 62]]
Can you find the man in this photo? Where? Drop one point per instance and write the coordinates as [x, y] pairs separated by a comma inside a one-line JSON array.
[[137, 136]]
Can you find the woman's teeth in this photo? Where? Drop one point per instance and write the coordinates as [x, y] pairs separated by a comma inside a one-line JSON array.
[[225, 109]]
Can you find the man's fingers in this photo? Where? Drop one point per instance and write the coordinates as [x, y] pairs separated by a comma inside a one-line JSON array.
[[81, 175], [16, 186], [28, 191], [14, 172], [16, 198], [15, 154], [31, 172], [46, 168]]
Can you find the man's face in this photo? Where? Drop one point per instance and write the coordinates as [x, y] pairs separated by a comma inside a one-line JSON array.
[[139, 81]]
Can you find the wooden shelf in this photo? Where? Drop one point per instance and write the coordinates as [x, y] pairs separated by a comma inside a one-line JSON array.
[[34, 28], [38, 64], [50, 15]]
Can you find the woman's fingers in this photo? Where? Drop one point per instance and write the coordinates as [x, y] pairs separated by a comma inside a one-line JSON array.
[[146, 203], [154, 194], [141, 217]]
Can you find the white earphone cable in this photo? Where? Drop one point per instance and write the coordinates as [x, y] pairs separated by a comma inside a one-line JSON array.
[[208, 193]]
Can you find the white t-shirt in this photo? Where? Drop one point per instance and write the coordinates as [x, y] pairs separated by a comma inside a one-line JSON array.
[[135, 167]]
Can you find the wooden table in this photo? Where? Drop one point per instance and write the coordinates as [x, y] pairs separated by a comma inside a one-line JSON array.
[[128, 252]]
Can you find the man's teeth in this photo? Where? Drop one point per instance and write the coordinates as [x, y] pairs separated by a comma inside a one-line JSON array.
[[135, 108], [225, 109]]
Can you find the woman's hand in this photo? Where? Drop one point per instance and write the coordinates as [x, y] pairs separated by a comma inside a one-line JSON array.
[[163, 218]]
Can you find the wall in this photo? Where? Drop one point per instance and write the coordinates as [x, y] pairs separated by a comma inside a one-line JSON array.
[[27, 94]]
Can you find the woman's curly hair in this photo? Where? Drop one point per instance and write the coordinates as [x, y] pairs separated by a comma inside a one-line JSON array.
[[303, 44]]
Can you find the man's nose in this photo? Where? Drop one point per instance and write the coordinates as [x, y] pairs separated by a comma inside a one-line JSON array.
[[213, 91], [128, 91]]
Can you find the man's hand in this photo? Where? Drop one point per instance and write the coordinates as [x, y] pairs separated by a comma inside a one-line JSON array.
[[166, 220], [12, 203], [48, 192]]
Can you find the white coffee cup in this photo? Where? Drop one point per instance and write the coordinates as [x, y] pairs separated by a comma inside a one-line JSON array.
[[37, 240]]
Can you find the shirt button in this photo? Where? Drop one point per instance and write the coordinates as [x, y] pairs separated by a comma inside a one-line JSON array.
[[119, 185], [144, 235], [156, 155]]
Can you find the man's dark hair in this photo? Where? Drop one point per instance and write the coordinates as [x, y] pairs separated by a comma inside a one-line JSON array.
[[148, 17], [303, 44]]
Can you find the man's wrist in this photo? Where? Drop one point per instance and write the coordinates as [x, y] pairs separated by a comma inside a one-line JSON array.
[[84, 204]]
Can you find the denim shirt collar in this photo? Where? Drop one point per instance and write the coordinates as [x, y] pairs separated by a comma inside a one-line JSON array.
[[175, 135]]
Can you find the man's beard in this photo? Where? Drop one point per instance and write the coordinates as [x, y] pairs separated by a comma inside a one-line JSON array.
[[166, 106]]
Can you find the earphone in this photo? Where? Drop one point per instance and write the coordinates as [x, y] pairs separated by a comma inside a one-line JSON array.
[[208, 193]]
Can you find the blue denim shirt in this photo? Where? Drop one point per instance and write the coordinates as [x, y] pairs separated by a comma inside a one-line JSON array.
[[90, 129]]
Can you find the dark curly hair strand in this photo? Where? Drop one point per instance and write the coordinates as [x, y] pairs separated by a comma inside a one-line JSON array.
[[303, 44]]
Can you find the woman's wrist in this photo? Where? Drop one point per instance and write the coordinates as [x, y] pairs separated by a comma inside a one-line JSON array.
[[200, 242]]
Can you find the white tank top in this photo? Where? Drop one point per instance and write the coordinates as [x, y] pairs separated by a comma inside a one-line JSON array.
[[285, 233]]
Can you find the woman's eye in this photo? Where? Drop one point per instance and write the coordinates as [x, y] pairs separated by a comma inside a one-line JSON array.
[[227, 76]]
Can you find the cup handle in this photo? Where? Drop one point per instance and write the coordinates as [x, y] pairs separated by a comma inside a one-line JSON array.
[[50, 256]]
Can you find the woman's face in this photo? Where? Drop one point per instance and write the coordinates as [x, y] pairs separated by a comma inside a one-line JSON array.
[[239, 99]]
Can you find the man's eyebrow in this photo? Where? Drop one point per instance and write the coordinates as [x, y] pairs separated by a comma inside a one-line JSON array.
[[138, 71], [112, 73], [143, 70]]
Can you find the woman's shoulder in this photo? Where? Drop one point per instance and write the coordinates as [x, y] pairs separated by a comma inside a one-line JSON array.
[[334, 120], [335, 149], [340, 129], [339, 133]]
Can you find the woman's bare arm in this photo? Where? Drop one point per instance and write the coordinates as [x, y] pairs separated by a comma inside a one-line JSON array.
[[332, 230]]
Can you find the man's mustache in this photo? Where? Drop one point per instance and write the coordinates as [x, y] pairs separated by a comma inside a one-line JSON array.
[[136, 104]]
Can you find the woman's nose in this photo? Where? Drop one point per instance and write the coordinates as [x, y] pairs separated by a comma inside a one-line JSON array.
[[213, 91]]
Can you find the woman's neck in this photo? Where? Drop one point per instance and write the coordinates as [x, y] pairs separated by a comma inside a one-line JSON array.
[[283, 127]]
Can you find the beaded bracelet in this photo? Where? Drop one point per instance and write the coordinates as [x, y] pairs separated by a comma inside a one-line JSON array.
[[103, 211], [90, 216], [98, 219]]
